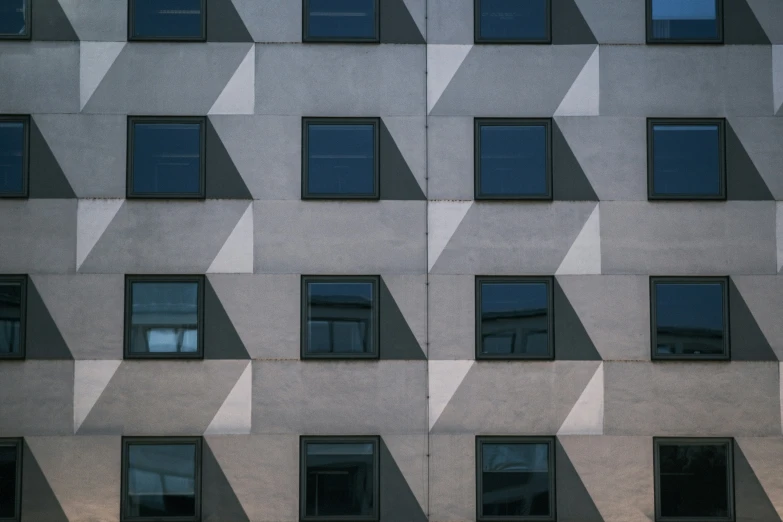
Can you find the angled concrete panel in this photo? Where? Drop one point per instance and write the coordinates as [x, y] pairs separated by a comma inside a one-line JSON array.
[[763, 456], [223, 180], [450, 165], [752, 502], [760, 138], [452, 317], [409, 453], [49, 22], [443, 220], [443, 62], [224, 23], [748, 342], [405, 507], [397, 341], [236, 254], [614, 21], [743, 180], [572, 343], [569, 26], [218, 502], [397, 25], [445, 378], [584, 254], [763, 296], [221, 340], [272, 21], [741, 27], [38, 398], [569, 181], [452, 477], [768, 13], [39, 502], [449, 22], [43, 337], [239, 94], [95, 60], [46, 177], [410, 297], [97, 20], [583, 96], [402, 158], [233, 417], [574, 503], [90, 381]]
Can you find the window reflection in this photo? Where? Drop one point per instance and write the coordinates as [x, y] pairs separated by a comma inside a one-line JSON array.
[[685, 19], [340, 317], [341, 159], [340, 479], [10, 318], [515, 480], [687, 160], [513, 160], [690, 318], [515, 318], [12, 157], [167, 158], [13, 17], [520, 20], [161, 480], [341, 19], [168, 19], [164, 317]]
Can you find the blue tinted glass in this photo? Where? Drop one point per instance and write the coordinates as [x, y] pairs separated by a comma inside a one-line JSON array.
[[515, 480], [168, 19], [8, 486], [164, 317], [689, 319], [161, 480], [340, 480], [13, 17], [10, 318], [685, 19], [341, 159], [694, 480], [340, 317], [513, 160], [686, 160], [341, 19], [513, 19], [167, 158], [11, 157], [515, 318]]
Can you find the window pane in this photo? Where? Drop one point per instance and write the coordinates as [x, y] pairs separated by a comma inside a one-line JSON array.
[[12, 157], [161, 480], [687, 160], [10, 318], [341, 19], [513, 19], [515, 479], [340, 317], [689, 319], [685, 19], [515, 318], [167, 19], [12, 17], [164, 317], [8, 485], [513, 160], [341, 159], [340, 479], [167, 158], [694, 480]]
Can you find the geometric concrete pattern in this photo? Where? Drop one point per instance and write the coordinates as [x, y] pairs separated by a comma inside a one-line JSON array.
[[251, 398]]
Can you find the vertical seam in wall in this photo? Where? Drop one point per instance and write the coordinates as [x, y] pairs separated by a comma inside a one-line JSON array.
[[427, 251]]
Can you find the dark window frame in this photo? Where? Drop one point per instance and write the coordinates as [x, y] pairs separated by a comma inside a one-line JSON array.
[[696, 441], [549, 281], [17, 442], [24, 119], [724, 281], [374, 354], [375, 122], [132, 23], [477, 38], [651, 40], [134, 278], [478, 123], [336, 439], [339, 39], [157, 441], [504, 439], [28, 25], [22, 280], [132, 120], [651, 123]]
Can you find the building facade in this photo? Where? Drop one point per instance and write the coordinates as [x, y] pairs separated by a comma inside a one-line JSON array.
[[597, 395]]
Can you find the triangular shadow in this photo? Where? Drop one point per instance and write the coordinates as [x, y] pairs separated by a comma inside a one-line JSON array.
[[224, 23], [741, 27], [748, 342], [572, 343], [38, 499], [49, 22], [569, 181], [397, 180], [43, 337], [223, 178], [219, 502], [743, 180], [47, 179], [569, 27], [397, 339], [221, 340], [398, 25], [401, 505], [752, 502], [574, 503]]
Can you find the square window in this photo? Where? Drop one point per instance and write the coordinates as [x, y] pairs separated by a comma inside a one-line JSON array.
[[166, 157], [339, 317], [10, 479], [14, 156], [694, 480], [515, 478], [512, 21], [178, 20], [339, 478], [685, 21], [340, 21], [686, 159], [13, 292], [513, 159], [15, 19], [164, 317], [514, 318], [340, 158], [689, 318], [161, 479]]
